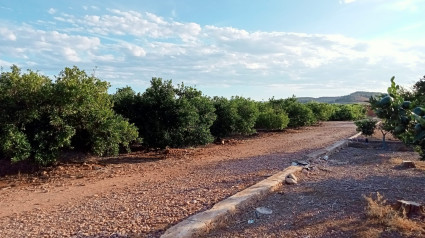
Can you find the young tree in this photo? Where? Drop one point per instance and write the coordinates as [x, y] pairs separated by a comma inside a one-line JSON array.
[[246, 115], [366, 126], [225, 123], [394, 113], [169, 116], [299, 114]]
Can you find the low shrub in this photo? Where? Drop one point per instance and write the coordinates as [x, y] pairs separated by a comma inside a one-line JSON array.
[[366, 126]]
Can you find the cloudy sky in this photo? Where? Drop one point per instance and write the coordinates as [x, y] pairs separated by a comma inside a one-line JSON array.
[[257, 49]]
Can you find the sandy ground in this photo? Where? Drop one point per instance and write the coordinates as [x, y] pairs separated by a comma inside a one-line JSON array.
[[328, 200], [143, 193]]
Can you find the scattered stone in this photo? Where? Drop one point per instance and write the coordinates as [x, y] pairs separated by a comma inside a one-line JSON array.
[[219, 141], [264, 210], [408, 164], [291, 179], [325, 157], [300, 163], [292, 176], [96, 167]]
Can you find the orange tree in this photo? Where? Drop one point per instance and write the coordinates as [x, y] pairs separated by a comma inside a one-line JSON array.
[[39, 118]]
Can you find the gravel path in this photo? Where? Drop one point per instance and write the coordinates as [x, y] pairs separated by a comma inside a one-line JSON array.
[[328, 202], [140, 194]]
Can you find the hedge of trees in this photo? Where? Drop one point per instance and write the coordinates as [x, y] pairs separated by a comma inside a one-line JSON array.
[[40, 117]]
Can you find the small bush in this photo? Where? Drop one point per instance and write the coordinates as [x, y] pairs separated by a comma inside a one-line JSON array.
[[299, 114], [272, 120], [366, 127], [348, 112], [225, 123], [246, 115], [321, 111]]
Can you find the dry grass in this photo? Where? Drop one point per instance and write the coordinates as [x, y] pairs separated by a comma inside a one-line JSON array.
[[420, 165], [379, 212]]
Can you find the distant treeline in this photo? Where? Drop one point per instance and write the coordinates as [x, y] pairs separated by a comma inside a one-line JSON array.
[[40, 117]]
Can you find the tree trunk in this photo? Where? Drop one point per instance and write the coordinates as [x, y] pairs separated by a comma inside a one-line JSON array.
[[384, 143], [410, 208]]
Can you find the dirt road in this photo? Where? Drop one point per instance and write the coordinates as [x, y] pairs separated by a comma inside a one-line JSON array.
[[142, 194]]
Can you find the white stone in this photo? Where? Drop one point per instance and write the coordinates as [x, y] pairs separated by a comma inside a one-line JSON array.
[[264, 210]]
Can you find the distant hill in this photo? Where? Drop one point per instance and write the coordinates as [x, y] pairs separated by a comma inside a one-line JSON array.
[[356, 97]]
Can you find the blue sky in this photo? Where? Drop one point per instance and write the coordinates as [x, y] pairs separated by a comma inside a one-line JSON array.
[[256, 49]]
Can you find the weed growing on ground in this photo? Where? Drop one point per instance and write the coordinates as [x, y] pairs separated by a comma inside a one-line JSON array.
[[379, 212]]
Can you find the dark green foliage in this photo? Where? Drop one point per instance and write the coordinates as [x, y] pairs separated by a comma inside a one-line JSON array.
[[196, 116], [299, 114], [350, 112], [418, 94], [29, 126], [366, 126], [125, 103], [83, 103], [272, 120], [419, 111], [168, 116], [235, 116], [391, 108], [395, 114], [14, 144], [39, 118], [246, 115], [225, 123], [321, 111]]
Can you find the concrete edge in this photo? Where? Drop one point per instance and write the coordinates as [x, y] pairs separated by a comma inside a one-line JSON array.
[[355, 136], [201, 223]]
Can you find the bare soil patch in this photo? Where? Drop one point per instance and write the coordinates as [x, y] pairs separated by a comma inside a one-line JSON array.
[[142, 194], [330, 200]]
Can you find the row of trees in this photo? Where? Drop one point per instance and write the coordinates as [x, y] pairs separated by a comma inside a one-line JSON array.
[[40, 117], [183, 116], [402, 114]]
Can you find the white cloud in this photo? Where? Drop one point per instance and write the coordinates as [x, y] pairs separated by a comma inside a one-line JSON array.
[[131, 47], [134, 49], [7, 34], [346, 1], [71, 55], [51, 11], [406, 5]]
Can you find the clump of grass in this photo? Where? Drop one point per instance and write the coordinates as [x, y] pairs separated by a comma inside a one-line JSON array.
[[379, 212]]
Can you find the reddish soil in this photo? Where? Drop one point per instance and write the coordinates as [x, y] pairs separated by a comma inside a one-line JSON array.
[[141, 194]]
